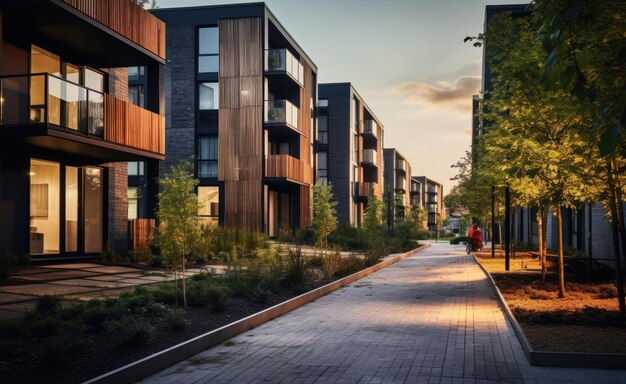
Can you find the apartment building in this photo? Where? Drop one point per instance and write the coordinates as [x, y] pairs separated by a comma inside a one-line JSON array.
[[397, 177], [241, 96], [66, 126], [431, 200], [349, 150]]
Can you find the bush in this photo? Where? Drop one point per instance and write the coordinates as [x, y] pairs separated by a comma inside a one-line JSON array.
[[47, 305], [175, 319], [108, 254], [457, 240], [348, 237], [331, 262], [351, 264], [201, 294], [296, 274], [128, 331]]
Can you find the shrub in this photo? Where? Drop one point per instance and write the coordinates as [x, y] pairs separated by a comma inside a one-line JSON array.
[[128, 331], [351, 264], [375, 253], [108, 254], [331, 262], [47, 305], [457, 240], [296, 274], [203, 294], [175, 319]]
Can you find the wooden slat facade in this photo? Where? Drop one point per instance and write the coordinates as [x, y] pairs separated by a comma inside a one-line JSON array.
[[140, 232], [367, 189], [306, 148], [128, 19], [240, 139], [290, 168], [133, 126]]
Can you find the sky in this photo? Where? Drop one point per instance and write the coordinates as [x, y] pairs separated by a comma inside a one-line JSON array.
[[406, 58]]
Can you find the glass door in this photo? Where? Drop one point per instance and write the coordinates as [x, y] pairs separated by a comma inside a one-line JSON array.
[[71, 209], [93, 213], [45, 207]]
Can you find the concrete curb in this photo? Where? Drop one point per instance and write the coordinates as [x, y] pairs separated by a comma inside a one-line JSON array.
[[555, 359], [152, 364]]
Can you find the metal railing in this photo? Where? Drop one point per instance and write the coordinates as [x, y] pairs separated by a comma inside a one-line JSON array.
[[370, 156], [281, 60], [370, 128]]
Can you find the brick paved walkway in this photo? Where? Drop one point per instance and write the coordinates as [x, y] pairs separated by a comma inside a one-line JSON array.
[[432, 318]]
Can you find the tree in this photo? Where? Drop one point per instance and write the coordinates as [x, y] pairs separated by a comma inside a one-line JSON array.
[[178, 219], [373, 219], [324, 214], [586, 49], [148, 4]]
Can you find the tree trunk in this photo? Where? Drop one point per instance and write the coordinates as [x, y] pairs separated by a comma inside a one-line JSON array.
[[529, 231], [615, 234], [544, 228], [541, 241], [184, 285], [559, 220]]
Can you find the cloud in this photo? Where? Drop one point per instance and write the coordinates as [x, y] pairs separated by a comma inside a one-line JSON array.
[[457, 96]]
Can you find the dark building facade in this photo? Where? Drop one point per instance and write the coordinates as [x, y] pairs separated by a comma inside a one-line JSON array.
[[349, 150], [397, 180], [241, 97], [431, 199], [67, 128]]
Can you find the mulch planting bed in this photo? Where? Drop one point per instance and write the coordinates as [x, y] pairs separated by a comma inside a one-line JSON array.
[[586, 320], [55, 360]]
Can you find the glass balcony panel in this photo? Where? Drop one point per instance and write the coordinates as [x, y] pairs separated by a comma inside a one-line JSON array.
[[95, 119], [15, 103], [370, 128], [370, 156], [281, 112], [281, 60], [66, 104]]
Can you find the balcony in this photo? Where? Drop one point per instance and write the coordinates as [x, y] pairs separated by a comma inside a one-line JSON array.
[[44, 105], [280, 114], [281, 61], [285, 168], [370, 158], [401, 165], [364, 190], [415, 188], [401, 184], [370, 128]]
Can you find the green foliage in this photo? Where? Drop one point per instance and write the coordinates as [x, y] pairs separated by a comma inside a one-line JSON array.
[[373, 220], [297, 271], [331, 262], [179, 229], [457, 240], [47, 305], [324, 214], [175, 319], [108, 254]]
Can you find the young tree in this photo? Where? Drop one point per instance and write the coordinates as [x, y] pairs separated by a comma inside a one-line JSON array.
[[324, 214], [373, 219], [178, 219]]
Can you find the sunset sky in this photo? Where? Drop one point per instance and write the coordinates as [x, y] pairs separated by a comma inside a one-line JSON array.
[[406, 58]]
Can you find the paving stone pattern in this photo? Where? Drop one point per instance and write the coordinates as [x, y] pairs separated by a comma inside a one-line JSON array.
[[432, 318]]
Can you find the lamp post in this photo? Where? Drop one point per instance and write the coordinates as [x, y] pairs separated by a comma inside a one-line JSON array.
[[493, 220], [507, 227]]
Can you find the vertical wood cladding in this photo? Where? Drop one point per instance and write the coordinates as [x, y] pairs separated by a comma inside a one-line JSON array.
[[304, 124], [128, 19], [240, 140]]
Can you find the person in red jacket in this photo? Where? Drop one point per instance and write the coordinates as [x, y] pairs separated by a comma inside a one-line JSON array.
[[476, 237]]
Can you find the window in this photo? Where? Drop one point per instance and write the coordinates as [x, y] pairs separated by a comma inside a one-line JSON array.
[[136, 95], [355, 148], [209, 200], [208, 50], [94, 80], [45, 207], [135, 73], [322, 168], [208, 95], [93, 203], [135, 168], [322, 129], [133, 202], [207, 156], [322, 103]]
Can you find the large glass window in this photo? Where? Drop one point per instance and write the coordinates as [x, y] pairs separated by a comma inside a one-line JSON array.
[[209, 199], [322, 129], [135, 73], [208, 95], [136, 95], [93, 210], [207, 156], [94, 80], [322, 168], [208, 50], [71, 209], [45, 206]]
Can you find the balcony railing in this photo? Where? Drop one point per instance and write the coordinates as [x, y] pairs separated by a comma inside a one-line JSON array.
[[281, 112], [415, 187], [370, 128], [288, 167], [281, 60], [401, 183], [370, 156], [49, 100], [367, 189], [128, 19], [401, 165]]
